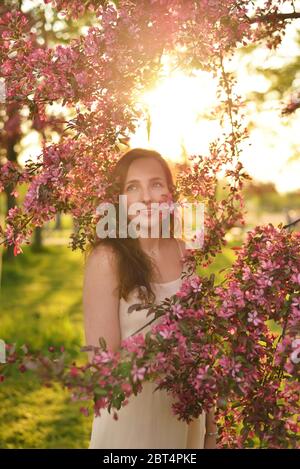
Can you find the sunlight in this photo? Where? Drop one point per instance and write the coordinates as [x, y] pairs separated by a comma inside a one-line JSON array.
[[178, 109], [179, 124]]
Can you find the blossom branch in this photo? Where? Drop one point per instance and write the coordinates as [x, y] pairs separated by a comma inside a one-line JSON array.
[[274, 16], [292, 223]]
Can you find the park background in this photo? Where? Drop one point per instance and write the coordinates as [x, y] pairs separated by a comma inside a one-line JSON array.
[[41, 289]]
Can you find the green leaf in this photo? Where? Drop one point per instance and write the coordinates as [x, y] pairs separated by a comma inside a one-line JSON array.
[[124, 369], [100, 392]]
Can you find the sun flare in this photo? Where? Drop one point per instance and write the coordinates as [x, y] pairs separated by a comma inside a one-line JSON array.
[[179, 122]]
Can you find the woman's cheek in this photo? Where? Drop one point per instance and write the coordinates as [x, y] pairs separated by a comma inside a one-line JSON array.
[[165, 196], [132, 199]]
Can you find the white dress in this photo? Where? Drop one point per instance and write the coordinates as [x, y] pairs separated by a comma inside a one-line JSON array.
[[147, 421]]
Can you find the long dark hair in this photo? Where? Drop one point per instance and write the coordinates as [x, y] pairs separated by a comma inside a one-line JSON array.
[[135, 267]]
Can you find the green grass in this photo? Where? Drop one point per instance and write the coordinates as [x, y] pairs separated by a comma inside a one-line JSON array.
[[39, 417], [41, 298], [220, 262]]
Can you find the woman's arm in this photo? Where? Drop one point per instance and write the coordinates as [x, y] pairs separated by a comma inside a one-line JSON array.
[[101, 300], [210, 440]]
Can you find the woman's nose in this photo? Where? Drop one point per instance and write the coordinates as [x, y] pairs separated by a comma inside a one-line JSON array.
[[146, 196]]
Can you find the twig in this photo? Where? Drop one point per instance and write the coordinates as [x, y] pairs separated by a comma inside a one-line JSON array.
[[274, 16], [291, 224], [228, 90]]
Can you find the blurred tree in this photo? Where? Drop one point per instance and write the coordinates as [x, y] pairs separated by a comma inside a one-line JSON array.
[[51, 29], [284, 78]]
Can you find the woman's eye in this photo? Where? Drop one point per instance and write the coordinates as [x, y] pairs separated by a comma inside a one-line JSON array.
[[131, 187]]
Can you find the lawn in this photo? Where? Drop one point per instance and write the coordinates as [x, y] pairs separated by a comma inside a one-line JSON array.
[[41, 306]]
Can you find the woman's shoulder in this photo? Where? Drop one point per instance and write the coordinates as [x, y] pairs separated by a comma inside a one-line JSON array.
[[101, 269], [103, 255]]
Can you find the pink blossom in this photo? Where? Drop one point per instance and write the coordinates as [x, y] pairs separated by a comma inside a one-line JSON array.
[[134, 344], [84, 411], [138, 373], [177, 310], [103, 357], [295, 355], [165, 331], [253, 317], [296, 278], [126, 387], [195, 284], [74, 372]]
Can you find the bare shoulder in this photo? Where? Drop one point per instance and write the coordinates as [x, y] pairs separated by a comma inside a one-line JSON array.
[[100, 297], [103, 257], [101, 272], [103, 253]]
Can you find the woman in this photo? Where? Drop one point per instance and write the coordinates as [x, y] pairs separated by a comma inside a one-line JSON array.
[[120, 272]]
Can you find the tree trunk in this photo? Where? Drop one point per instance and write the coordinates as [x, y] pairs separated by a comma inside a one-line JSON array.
[[10, 199], [37, 239], [58, 221]]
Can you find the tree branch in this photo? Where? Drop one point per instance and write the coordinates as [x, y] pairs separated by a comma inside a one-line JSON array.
[[293, 223], [275, 16]]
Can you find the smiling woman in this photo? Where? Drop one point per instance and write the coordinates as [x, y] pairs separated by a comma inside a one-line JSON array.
[[142, 177], [120, 273]]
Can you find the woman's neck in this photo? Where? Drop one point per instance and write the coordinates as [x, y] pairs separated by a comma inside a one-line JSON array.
[[150, 245]]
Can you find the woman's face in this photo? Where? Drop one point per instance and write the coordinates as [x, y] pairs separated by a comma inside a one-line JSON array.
[[145, 183]]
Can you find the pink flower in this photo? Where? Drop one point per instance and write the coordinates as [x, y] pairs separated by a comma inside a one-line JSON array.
[[84, 411], [184, 289], [202, 373], [138, 373], [126, 387], [104, 357], [134, 344], [292, 426], [289, 367], [74, 371], [295, 355], [235, 369], [296, 278], [165, 331], [100, 404], [17, 250], [177, 310], [252, 317], [195, 284], [81, 78]]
